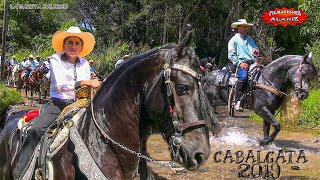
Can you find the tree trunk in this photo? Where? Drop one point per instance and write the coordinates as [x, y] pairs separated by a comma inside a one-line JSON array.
[[165, 24], [4, 35]]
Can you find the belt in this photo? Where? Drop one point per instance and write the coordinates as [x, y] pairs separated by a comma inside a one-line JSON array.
[[62, 101]]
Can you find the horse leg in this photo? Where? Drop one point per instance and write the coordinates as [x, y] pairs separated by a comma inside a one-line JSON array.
[[266, 130], [268, 117]]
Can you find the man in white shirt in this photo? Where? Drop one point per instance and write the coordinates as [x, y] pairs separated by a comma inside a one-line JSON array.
[[30, 65]]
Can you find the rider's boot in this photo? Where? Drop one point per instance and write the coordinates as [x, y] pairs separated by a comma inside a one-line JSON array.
[[237, 95]]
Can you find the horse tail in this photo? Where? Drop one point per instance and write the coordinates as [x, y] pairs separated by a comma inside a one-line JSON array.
[[290, 108]]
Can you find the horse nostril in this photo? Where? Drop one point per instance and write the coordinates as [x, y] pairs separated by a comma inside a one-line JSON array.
[[199, 158]]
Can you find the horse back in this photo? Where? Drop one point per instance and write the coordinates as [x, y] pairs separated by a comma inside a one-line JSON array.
[[8, 147]]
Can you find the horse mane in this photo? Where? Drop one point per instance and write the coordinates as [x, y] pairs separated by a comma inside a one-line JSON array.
[[284, 59], [112, 78], [205, 107]]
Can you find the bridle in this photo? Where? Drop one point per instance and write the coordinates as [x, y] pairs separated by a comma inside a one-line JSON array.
[[179, 129], [298, 88]]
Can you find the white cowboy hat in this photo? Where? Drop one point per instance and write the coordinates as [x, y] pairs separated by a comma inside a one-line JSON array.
[[30, 56], [126, 56], [91, 61], [241, 22], [87, 38], [13, 56]]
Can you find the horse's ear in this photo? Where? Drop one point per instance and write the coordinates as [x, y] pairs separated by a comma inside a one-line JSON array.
[[184, 45], [307, 58]]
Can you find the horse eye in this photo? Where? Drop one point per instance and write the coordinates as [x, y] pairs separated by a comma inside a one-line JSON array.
[[183, 88]]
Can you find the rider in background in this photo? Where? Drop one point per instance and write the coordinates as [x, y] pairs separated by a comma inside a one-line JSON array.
[[120, 61], [38, 58], [30, 65], [92, 69], [13, 61], [69, 71], [241, 52]]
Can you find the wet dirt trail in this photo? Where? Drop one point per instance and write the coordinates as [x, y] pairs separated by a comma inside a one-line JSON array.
[[240, 135], [292, 156]]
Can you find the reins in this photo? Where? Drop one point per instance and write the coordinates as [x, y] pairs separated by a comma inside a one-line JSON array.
[[179, 129]]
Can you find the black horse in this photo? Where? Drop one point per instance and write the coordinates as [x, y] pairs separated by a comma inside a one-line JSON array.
[[268, 87], [208, 63], [157, 88]]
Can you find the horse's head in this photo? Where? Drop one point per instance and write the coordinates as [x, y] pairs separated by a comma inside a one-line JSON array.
[[302, 76], [186, 122], [43, 70]]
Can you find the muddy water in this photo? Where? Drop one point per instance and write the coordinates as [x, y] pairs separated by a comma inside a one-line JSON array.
[[298, 154]]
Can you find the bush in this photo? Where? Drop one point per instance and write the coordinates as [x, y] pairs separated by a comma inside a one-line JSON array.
[[105, 57], [310, 116], [8, 97], [315, 49]]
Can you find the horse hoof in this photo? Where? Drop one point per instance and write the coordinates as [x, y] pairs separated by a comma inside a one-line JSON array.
[[264, 142]]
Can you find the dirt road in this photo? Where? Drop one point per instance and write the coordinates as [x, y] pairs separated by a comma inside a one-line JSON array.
[[293, 155]]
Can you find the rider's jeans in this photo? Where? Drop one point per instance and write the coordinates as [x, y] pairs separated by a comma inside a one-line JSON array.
[[40, 125]]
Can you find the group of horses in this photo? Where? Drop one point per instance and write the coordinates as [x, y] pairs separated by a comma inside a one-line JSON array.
[[36, 82], [162, 89]]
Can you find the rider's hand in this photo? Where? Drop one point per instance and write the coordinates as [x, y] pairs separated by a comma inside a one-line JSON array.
[[255, 52], [92, 83]]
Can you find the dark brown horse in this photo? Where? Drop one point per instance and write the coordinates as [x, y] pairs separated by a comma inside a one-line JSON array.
[[23, 81], [34, 82], [159, 88], [7, 71]]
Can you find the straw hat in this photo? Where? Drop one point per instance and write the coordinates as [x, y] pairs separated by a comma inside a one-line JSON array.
[[30, 56], [126, 56], [241, 22], [91, 61], [87, 38]]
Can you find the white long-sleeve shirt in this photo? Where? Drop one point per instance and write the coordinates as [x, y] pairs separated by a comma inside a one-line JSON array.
[[64, 76]]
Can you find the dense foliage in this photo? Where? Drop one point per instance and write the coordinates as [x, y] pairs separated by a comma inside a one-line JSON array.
[[8, 97], [151, 23], [310, 116]]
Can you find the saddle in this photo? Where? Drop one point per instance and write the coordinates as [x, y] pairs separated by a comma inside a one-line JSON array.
[[56, 135], [229, 80]]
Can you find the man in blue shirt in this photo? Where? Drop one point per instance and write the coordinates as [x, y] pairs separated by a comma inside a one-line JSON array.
[[241, 52]]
